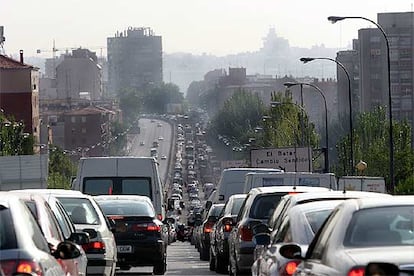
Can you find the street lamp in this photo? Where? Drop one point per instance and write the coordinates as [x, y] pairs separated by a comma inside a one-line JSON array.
[[351, 127], [335, 19], [290, 84], [275, 104]]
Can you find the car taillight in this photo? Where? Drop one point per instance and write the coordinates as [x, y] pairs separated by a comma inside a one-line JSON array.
[[357, 271], [289, 268], [151, 227], [11, 267], [159, 216], [246, 233], [208, 227], [94, 247], [227, 225]]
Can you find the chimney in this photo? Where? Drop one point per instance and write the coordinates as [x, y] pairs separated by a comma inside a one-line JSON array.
[[21, 57]]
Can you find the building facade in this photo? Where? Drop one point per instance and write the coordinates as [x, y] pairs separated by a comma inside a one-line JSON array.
[[134, 59], [79, 76], [399, 28], [19, 93]]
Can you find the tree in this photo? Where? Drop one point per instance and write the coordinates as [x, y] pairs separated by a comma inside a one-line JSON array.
[[371, 138], [237, 120], [61, 169], [130, 102]]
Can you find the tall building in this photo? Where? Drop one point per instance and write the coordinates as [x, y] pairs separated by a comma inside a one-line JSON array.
[[134, 59], [399, 28], [79, 76]]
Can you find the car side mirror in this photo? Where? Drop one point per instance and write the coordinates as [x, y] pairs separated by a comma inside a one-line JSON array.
[[66, 250], [381, 269], [91, 232], [79, 238], [261, 239], [291, 251], [208, 205]]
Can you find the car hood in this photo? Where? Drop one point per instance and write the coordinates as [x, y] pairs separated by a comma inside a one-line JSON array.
[[392, 254]]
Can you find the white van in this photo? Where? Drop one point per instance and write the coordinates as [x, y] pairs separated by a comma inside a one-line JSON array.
[[260, 179], [232, 182], [124, 175]]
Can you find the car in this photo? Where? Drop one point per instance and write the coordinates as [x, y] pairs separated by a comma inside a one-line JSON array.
[[86, 214], [160, 138], [357, 232], [138, 232], [256, 209], [219, 248], [142, 143], [205, 228], [163, 157], [159, 125], [299, 225], [23, 248], [52, 231]]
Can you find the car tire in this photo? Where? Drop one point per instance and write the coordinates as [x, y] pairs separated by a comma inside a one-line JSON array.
[[160, 268], [204, 254], [212, 262], [221, 264]]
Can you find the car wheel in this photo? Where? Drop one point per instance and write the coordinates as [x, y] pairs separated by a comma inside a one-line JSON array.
[[212, 264], [221, 264], [160, 268], [204, 254]]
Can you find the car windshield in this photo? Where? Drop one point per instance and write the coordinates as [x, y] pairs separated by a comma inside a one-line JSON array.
[[7, 233], [237, 203], [80, 210], [126, 208], [381, 226]]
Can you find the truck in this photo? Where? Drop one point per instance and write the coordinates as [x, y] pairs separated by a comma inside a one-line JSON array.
[[362, 183]]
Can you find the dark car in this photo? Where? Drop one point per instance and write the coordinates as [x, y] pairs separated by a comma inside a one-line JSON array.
[[23, 248], [205, 228], [138, 232], [219, 248]]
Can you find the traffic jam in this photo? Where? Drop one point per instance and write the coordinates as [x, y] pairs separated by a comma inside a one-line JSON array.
[[120, 215]]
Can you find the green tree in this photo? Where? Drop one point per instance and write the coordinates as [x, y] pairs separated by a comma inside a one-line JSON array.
[[130, 102], [118, 145], [371, 138], [237, 120], [61, 169]]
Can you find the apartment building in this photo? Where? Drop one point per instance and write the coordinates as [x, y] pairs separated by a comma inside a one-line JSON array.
[[134, 59], [19, 93]]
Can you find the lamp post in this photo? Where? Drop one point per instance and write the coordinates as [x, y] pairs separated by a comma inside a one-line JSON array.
[[274, 104], [290, 84], [351, 127], [335, 19]]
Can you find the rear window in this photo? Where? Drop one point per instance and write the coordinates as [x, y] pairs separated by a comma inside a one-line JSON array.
[[118, 186], [126, 208], [263, 206], [7, 234], [315, 219], [215, 211], [237, 205], [80, 210]]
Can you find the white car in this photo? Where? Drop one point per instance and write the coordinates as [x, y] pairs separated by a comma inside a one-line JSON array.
[[160, 138], [163, 157]]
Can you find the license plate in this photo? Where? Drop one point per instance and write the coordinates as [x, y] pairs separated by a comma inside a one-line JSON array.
[[124, 248]]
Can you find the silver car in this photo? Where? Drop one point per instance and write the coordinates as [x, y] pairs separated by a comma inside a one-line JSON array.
[[357, 232], [87, 216]]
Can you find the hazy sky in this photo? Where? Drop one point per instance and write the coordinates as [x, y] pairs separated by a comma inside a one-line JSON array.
[[216, 27]]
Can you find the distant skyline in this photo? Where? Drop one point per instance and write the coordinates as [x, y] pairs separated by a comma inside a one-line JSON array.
[[216, 27]]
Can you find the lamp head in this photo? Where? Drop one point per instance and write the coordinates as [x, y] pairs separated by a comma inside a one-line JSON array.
[[306, 59], [335, 19], [290, 84]]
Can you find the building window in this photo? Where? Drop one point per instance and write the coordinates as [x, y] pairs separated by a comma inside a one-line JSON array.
[[73, 119], [83, 118], [84, 130]]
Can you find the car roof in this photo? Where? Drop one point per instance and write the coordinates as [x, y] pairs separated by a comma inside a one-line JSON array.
[[364, 203], [287, 189], [238, 196], [315, 206], [122, 197], [334, 194]]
